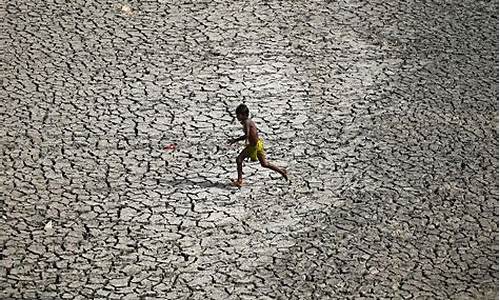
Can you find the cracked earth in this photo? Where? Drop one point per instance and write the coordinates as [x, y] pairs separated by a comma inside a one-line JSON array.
[[385, 114]]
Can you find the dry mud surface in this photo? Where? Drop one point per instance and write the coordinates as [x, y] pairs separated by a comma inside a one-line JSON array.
[[385, 114]]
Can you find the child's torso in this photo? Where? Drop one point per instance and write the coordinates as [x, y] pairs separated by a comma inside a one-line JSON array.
[[253, 135]]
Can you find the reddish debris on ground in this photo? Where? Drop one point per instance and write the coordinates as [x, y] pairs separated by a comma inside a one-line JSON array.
[[170, 147]]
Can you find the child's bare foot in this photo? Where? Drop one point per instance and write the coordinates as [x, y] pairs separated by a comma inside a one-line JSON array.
[[237, 183], [285, 175]]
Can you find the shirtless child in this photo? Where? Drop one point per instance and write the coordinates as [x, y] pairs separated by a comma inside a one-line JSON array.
[[254, 146]]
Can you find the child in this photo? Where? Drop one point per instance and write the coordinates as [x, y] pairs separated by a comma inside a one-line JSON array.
[[254, 146]]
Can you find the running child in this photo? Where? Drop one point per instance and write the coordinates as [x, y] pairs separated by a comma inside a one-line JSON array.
[[254, 147]]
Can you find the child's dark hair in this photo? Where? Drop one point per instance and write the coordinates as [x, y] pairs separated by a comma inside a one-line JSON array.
[[242, 109]]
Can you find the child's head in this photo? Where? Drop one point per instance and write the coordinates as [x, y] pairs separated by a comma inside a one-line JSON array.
[[242, 112]]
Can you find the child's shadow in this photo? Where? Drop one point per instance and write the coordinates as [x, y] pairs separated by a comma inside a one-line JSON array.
[[203, 183]]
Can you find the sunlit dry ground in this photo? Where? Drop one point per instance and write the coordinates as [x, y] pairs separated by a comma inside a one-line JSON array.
[[385, 115]]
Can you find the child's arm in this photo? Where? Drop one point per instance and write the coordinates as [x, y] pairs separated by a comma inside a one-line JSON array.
[[246, 129], [241, 138]]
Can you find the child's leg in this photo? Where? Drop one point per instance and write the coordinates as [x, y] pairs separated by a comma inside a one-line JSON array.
[[239, 164], [263, 162]]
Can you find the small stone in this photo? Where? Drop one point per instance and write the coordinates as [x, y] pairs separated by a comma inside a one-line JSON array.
[[132, 269], [126, 9], [48, 226], [120, 282]]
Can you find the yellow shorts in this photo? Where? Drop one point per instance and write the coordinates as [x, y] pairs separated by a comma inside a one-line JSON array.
[[256, 150]]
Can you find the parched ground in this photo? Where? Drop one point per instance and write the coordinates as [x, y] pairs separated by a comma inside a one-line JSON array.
[[385, 114]]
